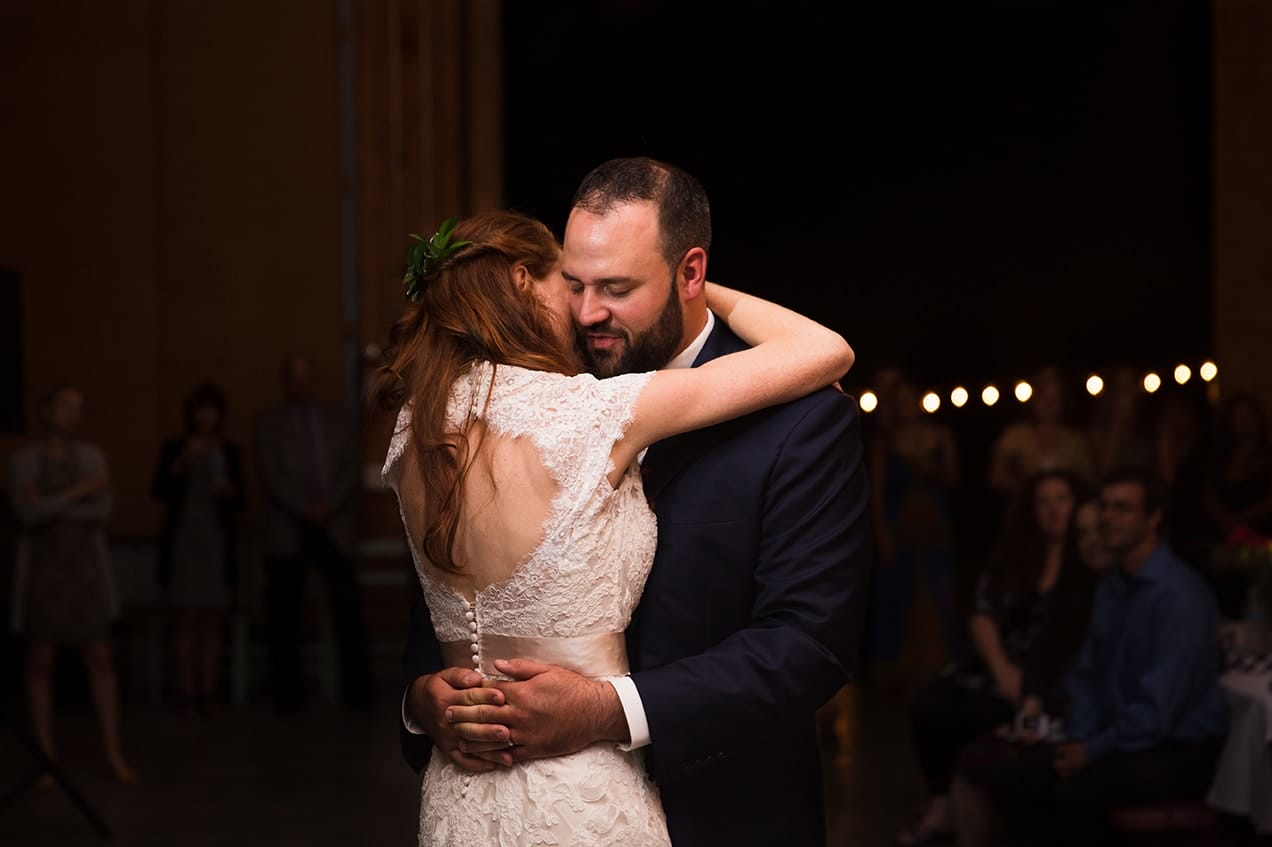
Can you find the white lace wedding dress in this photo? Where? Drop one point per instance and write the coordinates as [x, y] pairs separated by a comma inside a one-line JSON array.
[[568, 603]]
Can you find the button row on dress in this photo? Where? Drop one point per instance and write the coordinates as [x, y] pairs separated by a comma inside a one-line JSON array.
[[472, 634], [471, 615]]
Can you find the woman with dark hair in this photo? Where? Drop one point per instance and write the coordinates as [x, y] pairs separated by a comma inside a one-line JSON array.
[[64, 588], [522, 499], [199, 478], [983, 766], [1034, 568]]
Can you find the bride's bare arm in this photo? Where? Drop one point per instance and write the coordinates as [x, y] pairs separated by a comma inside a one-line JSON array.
[[791, 356]]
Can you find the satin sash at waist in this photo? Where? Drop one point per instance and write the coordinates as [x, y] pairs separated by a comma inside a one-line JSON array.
[[600, 654]]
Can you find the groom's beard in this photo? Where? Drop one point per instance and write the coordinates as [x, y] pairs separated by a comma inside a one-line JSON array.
[[648, 351]]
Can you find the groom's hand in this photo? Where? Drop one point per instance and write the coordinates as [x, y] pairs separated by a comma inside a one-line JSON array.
[[548, 711], [431, 696]]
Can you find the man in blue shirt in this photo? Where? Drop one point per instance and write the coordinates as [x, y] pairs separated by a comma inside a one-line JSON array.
[[1146, 715]]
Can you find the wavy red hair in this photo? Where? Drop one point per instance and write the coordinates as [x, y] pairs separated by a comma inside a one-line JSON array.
[[472, 310]]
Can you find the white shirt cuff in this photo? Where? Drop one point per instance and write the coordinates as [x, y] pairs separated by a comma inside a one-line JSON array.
[[411, 726], [634, 710]]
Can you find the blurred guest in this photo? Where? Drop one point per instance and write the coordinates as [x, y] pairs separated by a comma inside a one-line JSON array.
[[1044, 701], [1095, 554], [199, 477], [914, 473], [884, 385], [1146, 715], [64, 587], [1237, 493], [1182, 439], [1014, 598], [307, 452], [1122, 432], [1042, 442]]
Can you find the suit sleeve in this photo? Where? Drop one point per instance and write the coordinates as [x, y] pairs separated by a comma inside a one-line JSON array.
[[811, 584], [422, 656]]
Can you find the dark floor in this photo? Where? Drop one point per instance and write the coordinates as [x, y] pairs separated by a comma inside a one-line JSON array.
[[327, 776]]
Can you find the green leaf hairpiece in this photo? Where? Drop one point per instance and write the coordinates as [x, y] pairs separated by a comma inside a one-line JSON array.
[[425, 258]]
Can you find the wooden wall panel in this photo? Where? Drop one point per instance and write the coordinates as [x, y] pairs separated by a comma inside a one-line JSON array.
[[78, 219], [1243, 195], [173, 191]]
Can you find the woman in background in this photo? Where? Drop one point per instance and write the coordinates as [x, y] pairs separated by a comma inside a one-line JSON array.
[[982, 768], [64, 589], [914, 473], [1028, 577], [1043, 442], [1122, 432], [200, 479]]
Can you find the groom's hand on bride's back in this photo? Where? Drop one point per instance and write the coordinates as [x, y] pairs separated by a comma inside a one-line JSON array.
[[548, 711], [431, 696]]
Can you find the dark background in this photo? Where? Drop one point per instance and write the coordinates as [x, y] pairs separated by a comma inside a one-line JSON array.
[[970, 190]]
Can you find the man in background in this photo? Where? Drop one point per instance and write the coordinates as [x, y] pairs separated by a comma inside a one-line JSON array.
[[306, 453]]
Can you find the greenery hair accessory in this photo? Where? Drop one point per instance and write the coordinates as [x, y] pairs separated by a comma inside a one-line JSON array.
[[424, 259]]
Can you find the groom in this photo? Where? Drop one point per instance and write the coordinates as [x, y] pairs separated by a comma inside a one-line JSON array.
[[751, 617]]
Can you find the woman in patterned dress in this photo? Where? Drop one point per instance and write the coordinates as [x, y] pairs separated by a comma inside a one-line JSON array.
[[64, 589]]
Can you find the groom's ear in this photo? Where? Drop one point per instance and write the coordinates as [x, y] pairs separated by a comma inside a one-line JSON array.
[[693, 273]]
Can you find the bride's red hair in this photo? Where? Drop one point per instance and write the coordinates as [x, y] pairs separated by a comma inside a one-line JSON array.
[[471, 310]]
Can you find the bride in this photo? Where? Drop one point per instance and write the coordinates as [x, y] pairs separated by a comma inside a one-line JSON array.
[[521, 499]]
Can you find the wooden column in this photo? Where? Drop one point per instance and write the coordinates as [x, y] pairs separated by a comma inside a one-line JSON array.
[[1243, 195]]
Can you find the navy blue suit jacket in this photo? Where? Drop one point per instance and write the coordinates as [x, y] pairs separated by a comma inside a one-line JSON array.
[[751, 617]]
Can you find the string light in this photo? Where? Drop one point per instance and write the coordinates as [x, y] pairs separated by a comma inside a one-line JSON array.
[[959, 396]]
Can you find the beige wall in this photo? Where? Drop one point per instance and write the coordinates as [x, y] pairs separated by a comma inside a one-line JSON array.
[[1243, 195]]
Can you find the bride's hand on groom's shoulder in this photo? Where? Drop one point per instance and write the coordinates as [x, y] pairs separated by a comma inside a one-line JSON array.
[[433, 696], [548, 711]]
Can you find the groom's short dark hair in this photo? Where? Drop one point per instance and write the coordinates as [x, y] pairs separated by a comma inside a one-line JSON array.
[[684, 213]]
